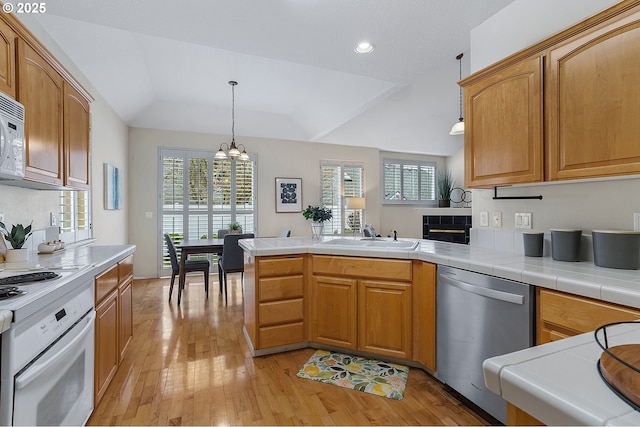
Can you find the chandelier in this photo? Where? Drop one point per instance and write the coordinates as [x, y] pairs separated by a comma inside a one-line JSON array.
[[232, 150]]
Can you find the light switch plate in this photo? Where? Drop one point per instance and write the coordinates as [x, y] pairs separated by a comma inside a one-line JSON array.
[[484, 219], [53, 219], [496, 219], [523, 220]]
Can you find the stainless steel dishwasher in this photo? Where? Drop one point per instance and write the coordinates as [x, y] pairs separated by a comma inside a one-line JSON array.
[[479, 316]]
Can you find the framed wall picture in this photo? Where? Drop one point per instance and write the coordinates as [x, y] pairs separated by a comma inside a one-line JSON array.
[[288, 194], [112, 184]]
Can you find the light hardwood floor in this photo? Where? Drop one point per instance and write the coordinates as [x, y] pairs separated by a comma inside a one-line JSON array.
[[190, 365]]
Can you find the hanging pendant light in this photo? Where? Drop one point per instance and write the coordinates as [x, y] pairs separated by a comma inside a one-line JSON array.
[[232, 150], [458, 128]]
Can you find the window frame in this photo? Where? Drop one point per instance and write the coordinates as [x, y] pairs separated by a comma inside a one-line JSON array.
[[403, 163], [76, 233], [342, 164]]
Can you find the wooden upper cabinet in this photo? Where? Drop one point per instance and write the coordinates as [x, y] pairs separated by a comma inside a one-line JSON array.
[[7, 60], [593, 102], [40, 90], [504, 126], [76, 139]]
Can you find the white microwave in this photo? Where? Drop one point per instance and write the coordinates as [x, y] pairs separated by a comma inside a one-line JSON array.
[[12, 156]]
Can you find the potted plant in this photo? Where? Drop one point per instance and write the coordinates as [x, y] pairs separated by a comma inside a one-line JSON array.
[[319, 215], [17, 238], [445, 184], [235, 228]]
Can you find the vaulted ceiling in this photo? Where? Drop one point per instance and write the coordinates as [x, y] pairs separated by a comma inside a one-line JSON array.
[[165, 65]]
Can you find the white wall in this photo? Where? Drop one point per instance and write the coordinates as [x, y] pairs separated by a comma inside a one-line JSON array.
[[108, 144], [586, 205]]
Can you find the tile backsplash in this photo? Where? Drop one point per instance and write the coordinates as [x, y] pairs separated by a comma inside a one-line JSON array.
[[512, 241]]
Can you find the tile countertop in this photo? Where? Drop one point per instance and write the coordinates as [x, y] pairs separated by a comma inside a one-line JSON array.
[[579, 278], [559, 384]]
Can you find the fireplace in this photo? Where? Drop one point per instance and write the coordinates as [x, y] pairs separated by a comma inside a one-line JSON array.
[[446, 228]]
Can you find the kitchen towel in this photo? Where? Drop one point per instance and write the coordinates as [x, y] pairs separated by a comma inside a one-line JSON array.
[[368, 375]]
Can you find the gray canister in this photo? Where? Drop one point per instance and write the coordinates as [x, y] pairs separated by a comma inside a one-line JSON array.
[[616, 249], [565, 244], [533, 243]]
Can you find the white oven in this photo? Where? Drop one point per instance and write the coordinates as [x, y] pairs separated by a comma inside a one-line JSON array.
[[47, 361]]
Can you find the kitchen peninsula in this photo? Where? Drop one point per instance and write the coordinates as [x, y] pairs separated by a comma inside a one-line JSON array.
[[296, 264]]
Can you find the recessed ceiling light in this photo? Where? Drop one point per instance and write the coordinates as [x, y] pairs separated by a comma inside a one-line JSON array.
[[364, 47]]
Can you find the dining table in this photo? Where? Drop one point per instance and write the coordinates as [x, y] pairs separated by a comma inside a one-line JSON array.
[[195, 246]]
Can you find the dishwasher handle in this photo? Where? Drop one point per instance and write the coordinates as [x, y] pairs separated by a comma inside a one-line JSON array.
[[479, 290]]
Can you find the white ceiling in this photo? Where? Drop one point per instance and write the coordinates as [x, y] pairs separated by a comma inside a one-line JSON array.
[[165, 64]]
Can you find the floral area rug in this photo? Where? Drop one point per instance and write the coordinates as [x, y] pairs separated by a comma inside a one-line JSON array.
[[368, 375]]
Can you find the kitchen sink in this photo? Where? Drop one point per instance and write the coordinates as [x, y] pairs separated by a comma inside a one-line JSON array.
[[374, 243]]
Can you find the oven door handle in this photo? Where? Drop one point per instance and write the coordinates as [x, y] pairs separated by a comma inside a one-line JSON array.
[[34, 371]]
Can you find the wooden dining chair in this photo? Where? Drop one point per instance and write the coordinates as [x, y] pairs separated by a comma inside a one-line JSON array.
[[232, 259], [189, 266]]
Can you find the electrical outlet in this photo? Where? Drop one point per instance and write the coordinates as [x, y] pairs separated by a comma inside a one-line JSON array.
[[484, 219], [523, 220], [53, 219], [636, 222], [497, 219]]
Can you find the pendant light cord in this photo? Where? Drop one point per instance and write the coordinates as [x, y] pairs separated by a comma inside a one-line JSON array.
[[459, 58], [233, 111]]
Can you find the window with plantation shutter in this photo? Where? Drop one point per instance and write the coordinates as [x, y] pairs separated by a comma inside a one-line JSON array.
[[74, 220], [409, 182], [201, 195], [340, 180]]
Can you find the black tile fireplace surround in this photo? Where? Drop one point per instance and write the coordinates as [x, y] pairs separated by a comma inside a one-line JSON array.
[[446, 228]]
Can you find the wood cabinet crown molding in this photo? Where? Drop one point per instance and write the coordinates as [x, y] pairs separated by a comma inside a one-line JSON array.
[[618, 10]]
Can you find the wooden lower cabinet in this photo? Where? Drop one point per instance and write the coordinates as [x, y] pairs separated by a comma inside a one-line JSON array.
[[354, 309], [125, 316], [384, 318], [114, 322], [274, 306], [374, 305], [334, 319], [518, 417], [107, 356], [561, 315]]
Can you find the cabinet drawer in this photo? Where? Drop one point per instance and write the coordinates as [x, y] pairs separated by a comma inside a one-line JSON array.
[[379, 268], [277, 288], [274, 336], [125, 268], [106, 282], [281, 266], [281, 311], [580, 314]]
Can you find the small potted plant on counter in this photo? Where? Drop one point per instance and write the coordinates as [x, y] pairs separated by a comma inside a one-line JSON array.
[[319, 215], [235, 228], [445, 184], [17, 238]]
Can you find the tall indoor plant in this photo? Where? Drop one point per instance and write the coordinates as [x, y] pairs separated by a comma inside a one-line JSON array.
[[17, 237], [319, 215], [445, 184]]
